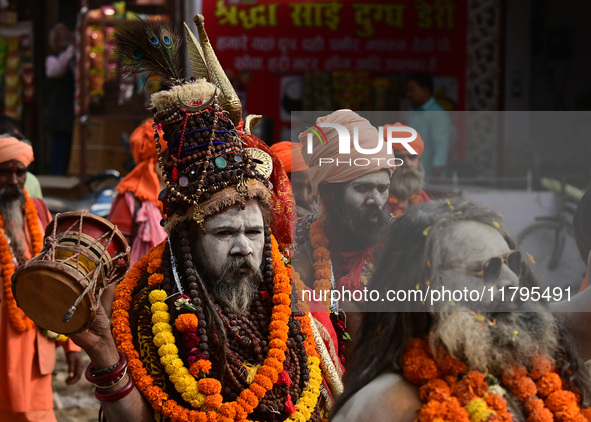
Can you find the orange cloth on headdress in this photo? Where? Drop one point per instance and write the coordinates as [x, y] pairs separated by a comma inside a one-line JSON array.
[[330, 172], [143, 181], [290, 154], [13, 149], [418, 145]]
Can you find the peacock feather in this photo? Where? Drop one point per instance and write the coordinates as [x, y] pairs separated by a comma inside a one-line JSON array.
[[147, 46]]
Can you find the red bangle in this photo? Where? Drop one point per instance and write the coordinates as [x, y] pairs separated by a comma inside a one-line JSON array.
[[109, 376], [117, 395]]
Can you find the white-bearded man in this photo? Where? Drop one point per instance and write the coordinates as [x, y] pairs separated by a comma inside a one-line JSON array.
[[465, 359], [27, 353]]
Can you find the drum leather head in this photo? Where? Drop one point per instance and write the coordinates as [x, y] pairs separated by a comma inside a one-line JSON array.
[[45, 294]]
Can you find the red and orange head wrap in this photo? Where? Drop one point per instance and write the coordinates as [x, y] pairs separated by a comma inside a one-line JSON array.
[[418, 145], [13, 149], [143, 181]]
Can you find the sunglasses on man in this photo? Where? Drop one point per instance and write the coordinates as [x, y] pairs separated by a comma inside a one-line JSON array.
[[490, 269]]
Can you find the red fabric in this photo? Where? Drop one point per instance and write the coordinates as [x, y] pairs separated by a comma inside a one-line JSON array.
[[143, 181], [282, 206], [418, 145], [121, 216]]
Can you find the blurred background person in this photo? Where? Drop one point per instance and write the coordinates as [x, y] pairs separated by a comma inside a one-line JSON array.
[[11, 128], [59, 70], [136, 210], [406, 186], [290, 154], [431, 121]]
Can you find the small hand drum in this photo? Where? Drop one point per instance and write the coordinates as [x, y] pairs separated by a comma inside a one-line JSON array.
[[59, 289]]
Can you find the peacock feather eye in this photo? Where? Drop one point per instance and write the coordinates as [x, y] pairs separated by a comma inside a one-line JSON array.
[[166, 38], [137, 54], [153, 39]]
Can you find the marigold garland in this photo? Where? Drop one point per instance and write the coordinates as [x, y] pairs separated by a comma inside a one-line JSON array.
[[184, 379], [466, 396], [18, 322]]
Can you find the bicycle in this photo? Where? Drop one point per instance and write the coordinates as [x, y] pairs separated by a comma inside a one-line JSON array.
[[550, 244]]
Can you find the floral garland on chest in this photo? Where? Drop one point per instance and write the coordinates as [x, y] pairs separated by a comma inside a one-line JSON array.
[[453, 393], [322, 285], [271, 371], [17, 319]]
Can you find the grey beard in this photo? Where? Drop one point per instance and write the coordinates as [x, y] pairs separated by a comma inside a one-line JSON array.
[[12, 210], [406, 182], [514, 337], [234, 289]]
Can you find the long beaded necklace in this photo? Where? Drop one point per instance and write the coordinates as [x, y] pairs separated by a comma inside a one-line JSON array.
[[266, 379]]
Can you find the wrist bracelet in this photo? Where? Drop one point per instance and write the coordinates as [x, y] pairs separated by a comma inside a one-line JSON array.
[[117, 395], [109, 376], [103, 371], [114, 383]]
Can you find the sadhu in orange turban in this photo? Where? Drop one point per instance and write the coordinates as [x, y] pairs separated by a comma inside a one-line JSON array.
[[331, 172], [143, 181], [13, 149]]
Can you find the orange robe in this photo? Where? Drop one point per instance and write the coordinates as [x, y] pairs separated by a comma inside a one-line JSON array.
[[27, 361]]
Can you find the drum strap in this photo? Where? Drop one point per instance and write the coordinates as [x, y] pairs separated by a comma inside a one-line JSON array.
[[42, 211]]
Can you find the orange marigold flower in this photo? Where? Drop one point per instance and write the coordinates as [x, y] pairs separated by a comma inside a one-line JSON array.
[[541, 415], [258, 390], [586, 413], [228, 410], [209, 386], [512, 374], [279, 334], [321, 254], [197, 416], [323, 273], [185, 322], [463, 392], [450, 365], [524, 388], [155, 279], [277, 354], [264, 381], [548, 384], [540, 366], [477, 382], [200, 366], [278, 344], [281, 299], [420, 369], [496, 403], [213, 400], [269, 372], [436, 387], [559, 400]]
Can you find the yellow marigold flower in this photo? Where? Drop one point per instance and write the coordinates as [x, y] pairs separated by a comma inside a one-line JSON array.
[[161, 327], [159, 306], [163, 338], [182, 384], [157, 296], [160, 316], [168, 349], [179, 374], [478, 410], [173, 366], [168, 359]]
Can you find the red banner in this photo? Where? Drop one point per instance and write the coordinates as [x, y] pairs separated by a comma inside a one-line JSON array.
[[305, 55]]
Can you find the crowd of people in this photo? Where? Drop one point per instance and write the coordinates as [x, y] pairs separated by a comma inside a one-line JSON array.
[[229, 237]]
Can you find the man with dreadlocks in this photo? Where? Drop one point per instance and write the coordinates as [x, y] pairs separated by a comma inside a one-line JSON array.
[[203, 324], [460, 361]]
